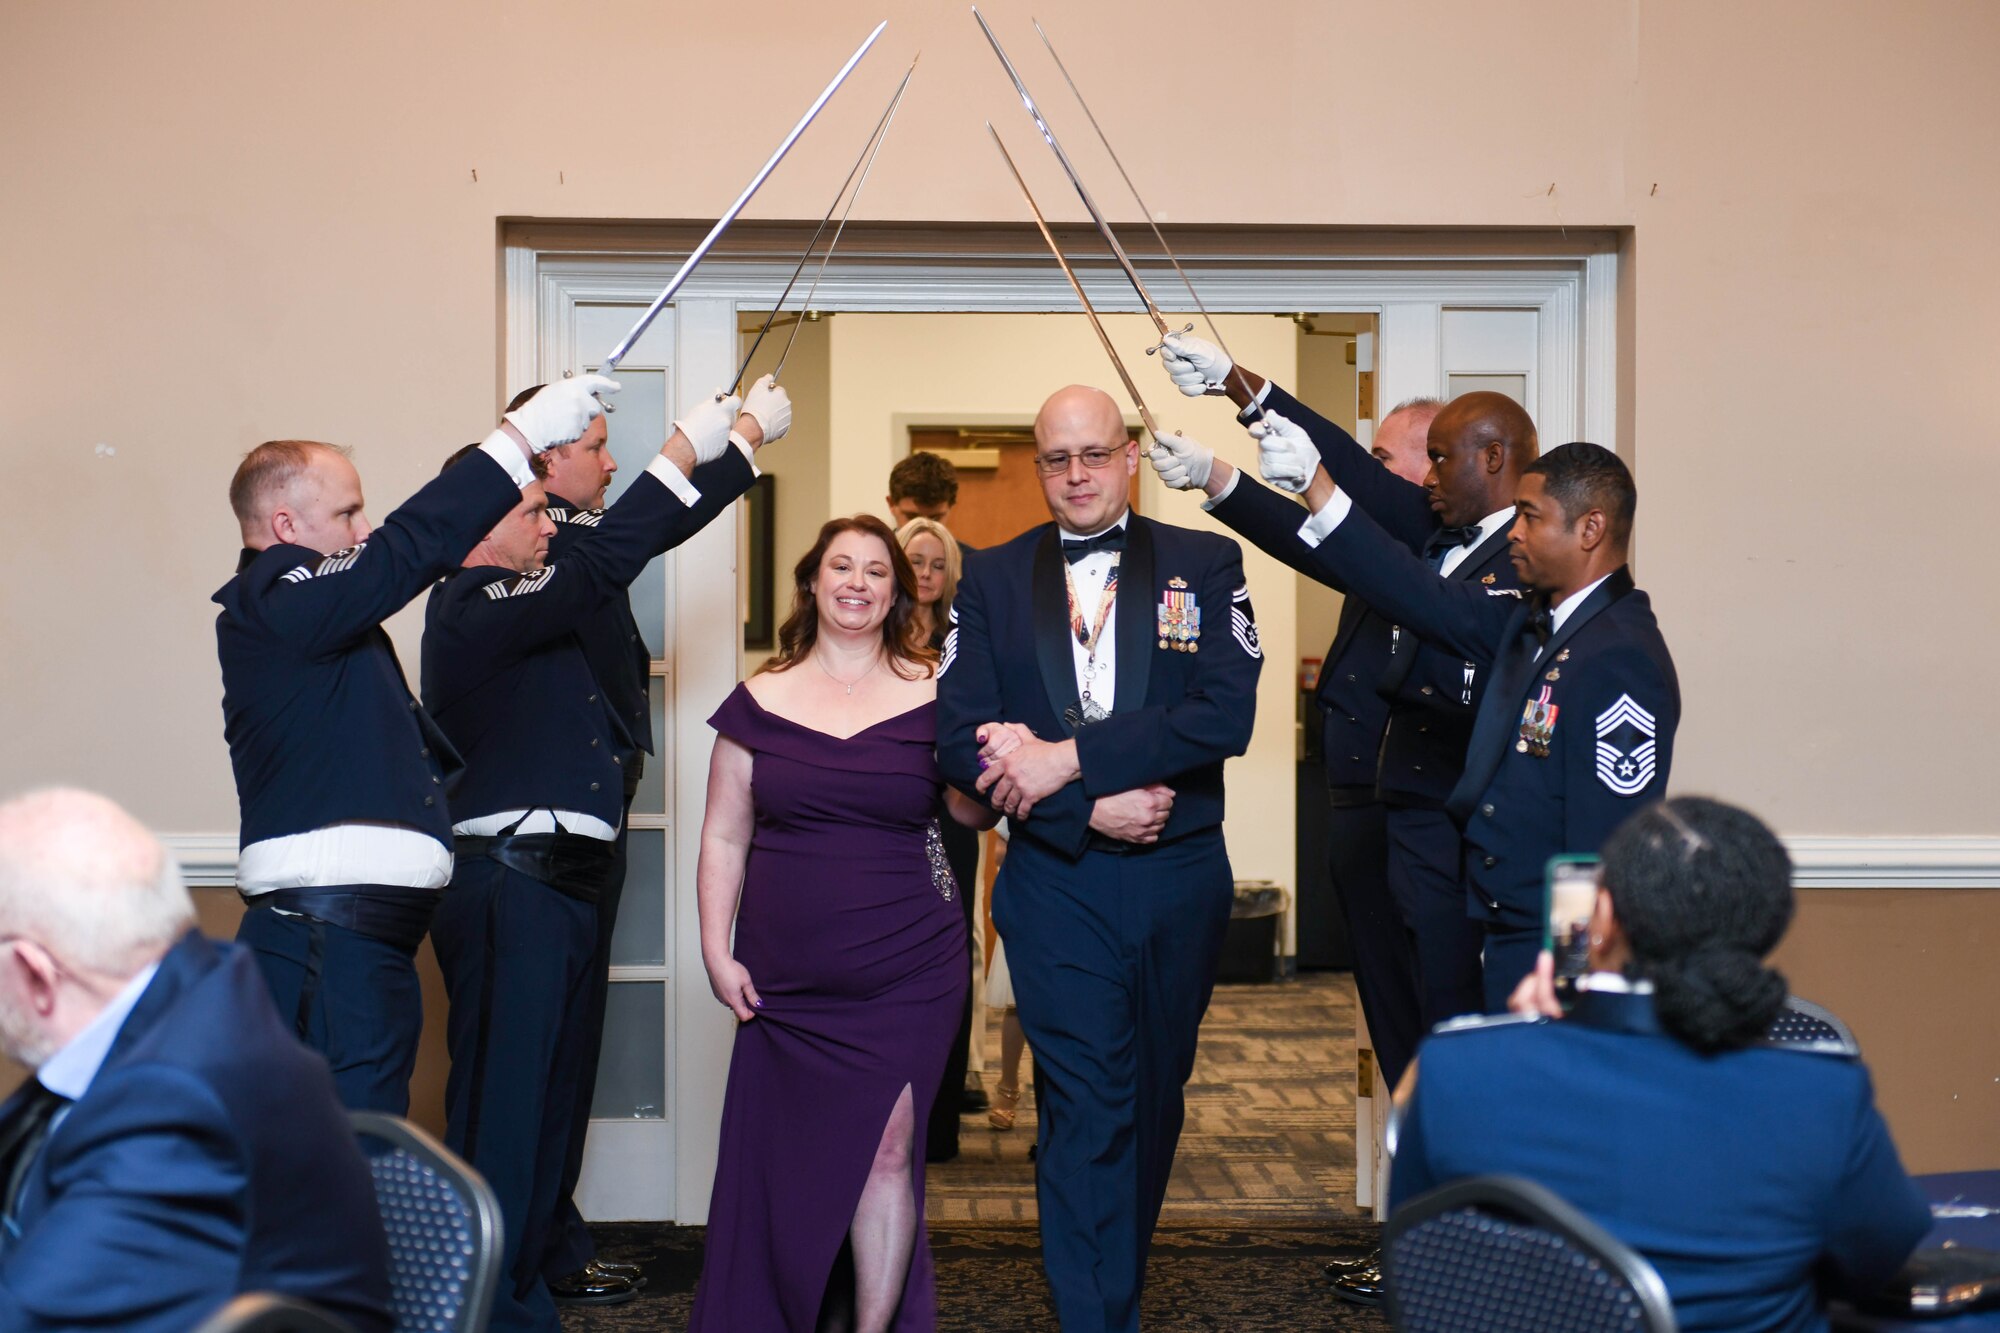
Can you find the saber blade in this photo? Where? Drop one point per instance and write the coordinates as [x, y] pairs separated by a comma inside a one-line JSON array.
[[864, 155], [881, 137], [1146, 416], [1089, 204], [1146, 213], [729, 215]]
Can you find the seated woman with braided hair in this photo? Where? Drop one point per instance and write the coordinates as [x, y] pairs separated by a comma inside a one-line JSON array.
[[1753, 1176]]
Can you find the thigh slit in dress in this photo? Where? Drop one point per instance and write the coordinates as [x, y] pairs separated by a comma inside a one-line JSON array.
[[858, 954]]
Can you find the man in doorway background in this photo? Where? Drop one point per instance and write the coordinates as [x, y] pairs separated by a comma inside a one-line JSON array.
[[922, 486]]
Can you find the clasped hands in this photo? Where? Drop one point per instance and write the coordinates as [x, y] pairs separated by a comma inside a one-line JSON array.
[[1019, 770]]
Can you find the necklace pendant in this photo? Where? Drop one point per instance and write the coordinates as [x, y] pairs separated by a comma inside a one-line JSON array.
[[850, 689]]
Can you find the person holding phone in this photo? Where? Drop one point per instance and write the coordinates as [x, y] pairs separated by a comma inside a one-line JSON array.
[[1755, 1177]]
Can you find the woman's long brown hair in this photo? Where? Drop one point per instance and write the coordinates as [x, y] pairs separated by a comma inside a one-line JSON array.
[[903, 641]]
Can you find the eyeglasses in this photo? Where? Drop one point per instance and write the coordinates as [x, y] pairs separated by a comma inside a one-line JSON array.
[[1056, 463]]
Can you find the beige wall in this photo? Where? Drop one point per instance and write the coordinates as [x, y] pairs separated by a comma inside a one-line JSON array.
[[1328, 383], [801, 463], [228, 222], [984, 366]]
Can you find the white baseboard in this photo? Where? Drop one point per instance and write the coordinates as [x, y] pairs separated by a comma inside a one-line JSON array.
[[1823, 862]]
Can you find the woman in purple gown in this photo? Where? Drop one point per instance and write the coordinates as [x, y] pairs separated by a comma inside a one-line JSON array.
[[847, 972]]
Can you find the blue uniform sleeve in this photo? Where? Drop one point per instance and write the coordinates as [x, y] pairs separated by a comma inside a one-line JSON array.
[[969, 696], [1401, 507], [322, 606], [1620, 745], [1212, 722], [1878, 1215], [1270, 522], [148, 1213], [511, 616], [1467, 618]]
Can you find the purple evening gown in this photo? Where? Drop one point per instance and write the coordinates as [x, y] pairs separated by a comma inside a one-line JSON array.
[[859, 957]]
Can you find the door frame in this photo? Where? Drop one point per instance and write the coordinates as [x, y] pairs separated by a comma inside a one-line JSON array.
[[662, 1170]]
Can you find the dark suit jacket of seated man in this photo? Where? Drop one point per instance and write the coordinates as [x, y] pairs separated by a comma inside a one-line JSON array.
[[206, 1156], [1112, 936]]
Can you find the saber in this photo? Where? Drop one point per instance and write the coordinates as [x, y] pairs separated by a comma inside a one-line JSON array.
[[1152, 427], [887, 115], [1089, 204], [826, 256], [729, 215], [1147, 213]]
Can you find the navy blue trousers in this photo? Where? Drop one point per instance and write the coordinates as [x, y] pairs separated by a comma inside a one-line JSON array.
[[1510, 955], [1424, 876], [516, 956], [571, 1247], [1113, 960], [361, 1007], [1385, 966]]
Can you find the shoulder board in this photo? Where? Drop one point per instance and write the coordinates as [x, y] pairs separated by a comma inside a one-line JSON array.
[[340, 561], [1832, 1046], [521, 587], [583, 518], [1480, 1022]]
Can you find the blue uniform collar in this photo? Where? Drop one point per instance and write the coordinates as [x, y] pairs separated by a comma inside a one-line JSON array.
[[1614, 1011]]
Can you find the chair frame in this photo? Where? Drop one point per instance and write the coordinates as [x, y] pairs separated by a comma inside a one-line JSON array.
[[1847, 1045], [269, 1312], [1524, 1201], [477, 1195]]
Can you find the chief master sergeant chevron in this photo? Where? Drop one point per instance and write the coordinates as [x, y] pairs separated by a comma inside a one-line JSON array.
[[1576, 729], [340, 775]]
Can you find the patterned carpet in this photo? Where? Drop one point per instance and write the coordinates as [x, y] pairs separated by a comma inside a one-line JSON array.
[[1262, 1194]]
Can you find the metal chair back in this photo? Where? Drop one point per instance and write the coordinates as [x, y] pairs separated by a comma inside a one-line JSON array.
[[443, 1225], [1804, 1024], [1505, 1255], [268, 1312]]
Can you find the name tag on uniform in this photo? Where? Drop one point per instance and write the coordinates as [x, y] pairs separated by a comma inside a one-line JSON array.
[[1538, 725]]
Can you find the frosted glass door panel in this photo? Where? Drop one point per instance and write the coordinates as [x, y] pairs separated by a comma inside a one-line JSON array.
[[632, 1076], [640, 937]]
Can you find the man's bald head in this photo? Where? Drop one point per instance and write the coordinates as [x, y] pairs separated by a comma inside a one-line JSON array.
[[1085, 458], [1478, 443], [88, 883]]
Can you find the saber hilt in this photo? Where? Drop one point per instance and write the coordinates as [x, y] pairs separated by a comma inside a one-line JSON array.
[[1164, 335]]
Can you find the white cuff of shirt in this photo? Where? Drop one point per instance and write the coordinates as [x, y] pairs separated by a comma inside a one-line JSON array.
[[1315, 529], [674, 480], [502, 449], [1228, 489], [1262, 393], [749, 454]]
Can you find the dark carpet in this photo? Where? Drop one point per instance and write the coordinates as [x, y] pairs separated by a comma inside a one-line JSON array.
[[1227, 1276]]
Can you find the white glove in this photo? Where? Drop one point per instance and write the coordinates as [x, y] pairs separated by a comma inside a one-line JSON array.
[[1183, 463], [561, 411], [1197, 365], [1286, 455], [771, 406], [707, 426]]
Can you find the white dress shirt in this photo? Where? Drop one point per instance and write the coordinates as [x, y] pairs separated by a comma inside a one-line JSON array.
[[537, 821], [354, 852], [1088, 577], [1455, 556], [1569, 605], [71, 1070]]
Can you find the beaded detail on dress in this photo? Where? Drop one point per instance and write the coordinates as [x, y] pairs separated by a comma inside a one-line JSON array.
[[941, 875]]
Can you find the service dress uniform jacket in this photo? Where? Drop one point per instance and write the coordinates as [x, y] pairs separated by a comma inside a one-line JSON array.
[[1112, 946], [1571, 737], [507, 671], [208, 1157], [1745, 1177]]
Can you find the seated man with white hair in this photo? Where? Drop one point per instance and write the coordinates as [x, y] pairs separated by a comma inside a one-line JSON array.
[[176, 1145]]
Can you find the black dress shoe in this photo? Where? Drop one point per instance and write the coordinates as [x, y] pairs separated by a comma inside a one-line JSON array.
[[591, 1286], [1361, 1286], [972, 1100], [1341, 1265], [630, 1272]]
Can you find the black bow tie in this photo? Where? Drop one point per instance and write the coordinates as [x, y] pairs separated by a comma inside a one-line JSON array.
[[1541, 624], [1446, 538], [1076, 548]]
